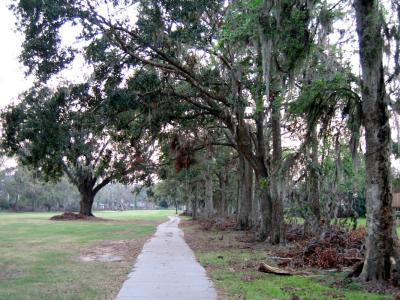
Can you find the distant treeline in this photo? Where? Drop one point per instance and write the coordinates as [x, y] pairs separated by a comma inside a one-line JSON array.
[[22, 190]]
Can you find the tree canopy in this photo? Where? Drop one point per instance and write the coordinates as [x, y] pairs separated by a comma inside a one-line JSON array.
[[244, 107]]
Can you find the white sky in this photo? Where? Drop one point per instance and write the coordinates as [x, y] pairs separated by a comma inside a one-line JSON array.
[[12, 79], [12, 75]]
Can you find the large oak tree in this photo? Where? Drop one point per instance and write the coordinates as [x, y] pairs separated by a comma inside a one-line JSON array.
[[68, 131]]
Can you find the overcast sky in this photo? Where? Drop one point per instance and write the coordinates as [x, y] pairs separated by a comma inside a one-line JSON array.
[[12, 79]]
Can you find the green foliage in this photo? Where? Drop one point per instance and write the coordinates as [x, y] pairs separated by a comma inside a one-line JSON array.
[[80, 131], [396, 149], [292, 33], [4, 204], [264, 184], [40, 22], [240, 23], [194, 69], [163, 204], [20, 190], [320, 99]]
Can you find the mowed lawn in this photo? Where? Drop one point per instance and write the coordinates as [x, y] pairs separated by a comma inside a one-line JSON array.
[[40, 258]]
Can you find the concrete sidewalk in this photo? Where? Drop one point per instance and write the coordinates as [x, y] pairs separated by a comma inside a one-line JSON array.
[[167, 269]]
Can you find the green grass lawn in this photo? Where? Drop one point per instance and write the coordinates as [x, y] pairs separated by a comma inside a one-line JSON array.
[[39, 258]]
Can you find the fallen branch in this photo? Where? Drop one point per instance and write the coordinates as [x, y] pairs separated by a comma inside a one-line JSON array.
[[268, 269], [353, 259], [279, 258]]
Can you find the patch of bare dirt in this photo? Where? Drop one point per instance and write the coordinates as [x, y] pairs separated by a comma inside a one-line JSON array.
[[114, 251], [11, 271], [120, 255], [203, 238]]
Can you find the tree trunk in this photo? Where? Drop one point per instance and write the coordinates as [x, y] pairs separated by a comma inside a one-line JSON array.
[[255, 206], [223, 199], [380, 240], [257, 162], [208, 192], [277, 222], [86, 204], [312, 224], [16, 203], [263, 230], [243, 221], [277, 218], [272, 205], [187, 211], [194, 200], [188, 206]]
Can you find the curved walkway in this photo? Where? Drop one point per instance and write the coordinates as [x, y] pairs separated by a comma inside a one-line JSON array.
[[167, 269]]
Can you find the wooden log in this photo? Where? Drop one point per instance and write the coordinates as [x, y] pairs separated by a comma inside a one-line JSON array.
[[273, 270]]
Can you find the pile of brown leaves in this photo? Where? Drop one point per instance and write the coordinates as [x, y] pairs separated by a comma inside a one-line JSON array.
[[218, 224], [70, 216], [337, 248]]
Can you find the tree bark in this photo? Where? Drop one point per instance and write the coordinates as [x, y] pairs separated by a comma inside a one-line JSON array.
[[380, 240], [223, 199], [312, 224], [255, 206], [273, 203], [188, 208], [208, 190], [195, 201], [86, 203], [243, 221], [257, 162], [277, 222], [88, 191], [263, 230]]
